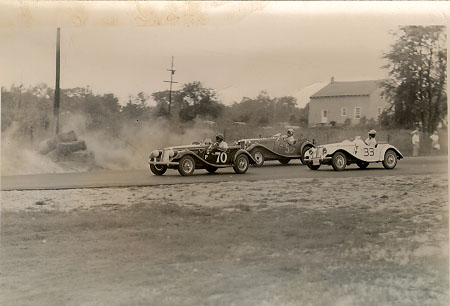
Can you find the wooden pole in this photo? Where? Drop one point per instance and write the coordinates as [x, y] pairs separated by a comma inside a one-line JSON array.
[[56, 103], [172, 72]]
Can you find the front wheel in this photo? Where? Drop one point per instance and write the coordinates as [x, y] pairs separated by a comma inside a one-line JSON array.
[[241, 164], [158, 169], [312, 167], [186, 166], [302, 155], [390, 159], [339, 161], [258, 157]]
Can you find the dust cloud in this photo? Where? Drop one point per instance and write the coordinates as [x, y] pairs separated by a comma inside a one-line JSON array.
[[127, 148]]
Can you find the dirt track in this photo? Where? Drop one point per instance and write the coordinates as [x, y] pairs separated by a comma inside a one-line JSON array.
[[352, 241]]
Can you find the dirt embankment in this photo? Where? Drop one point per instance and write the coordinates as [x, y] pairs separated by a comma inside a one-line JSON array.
[[352, 241]]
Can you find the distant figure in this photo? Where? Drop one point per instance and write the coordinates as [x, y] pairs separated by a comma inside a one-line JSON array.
[[289, 137], [415, 142], [435, 146], [220, 143], [371, 141]]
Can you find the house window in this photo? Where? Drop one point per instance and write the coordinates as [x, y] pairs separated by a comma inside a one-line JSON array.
[[357, 112], [380, 110], [324, 116], [343, 111]]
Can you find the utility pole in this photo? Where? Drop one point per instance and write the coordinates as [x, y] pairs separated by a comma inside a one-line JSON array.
[[172, 72], [56, 104]]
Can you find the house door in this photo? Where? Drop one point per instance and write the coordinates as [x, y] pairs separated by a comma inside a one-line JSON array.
[[324, 116]]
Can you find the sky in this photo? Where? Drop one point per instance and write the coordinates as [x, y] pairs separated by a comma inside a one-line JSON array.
[[236, 48]]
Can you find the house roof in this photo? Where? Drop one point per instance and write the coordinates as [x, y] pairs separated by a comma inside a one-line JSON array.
[[356, 88]]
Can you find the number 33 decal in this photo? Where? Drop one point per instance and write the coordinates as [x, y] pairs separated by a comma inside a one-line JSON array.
[[221, 157], [369, 152]]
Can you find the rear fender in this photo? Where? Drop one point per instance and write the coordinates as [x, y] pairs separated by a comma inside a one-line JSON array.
[[389, 147], [306, 143]]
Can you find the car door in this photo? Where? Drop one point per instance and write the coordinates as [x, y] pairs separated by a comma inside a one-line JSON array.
[[366, 153], [218, 156], [283, 147]]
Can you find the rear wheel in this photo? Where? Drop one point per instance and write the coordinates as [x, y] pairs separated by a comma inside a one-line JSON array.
[[284, 161], [305, 149], [312, 167], [186, 165], [339, 161], [241, 164], [362, 164], [390, 159], [258, 157], [158, 169]]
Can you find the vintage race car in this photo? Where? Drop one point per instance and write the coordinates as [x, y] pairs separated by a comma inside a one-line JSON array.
[[339, 155], [199, 156], [275, 148]]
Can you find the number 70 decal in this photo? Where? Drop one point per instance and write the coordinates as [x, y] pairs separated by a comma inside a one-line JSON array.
[[221, 157]]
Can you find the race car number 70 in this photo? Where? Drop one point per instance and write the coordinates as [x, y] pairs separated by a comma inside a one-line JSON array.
[[221, 157]]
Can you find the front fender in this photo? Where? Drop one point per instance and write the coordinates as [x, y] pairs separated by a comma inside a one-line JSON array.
[[390, 147], [250, 157]]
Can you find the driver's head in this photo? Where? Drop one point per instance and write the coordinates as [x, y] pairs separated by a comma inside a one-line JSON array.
[[219, 138], [290, 132], [372, 133]]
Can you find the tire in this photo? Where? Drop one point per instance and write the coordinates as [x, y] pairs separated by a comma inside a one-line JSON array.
[[241, 164], [390, 159], [158, 169], [312, 167], [186, 166], [284, 161], [211, 169], [258, 156], [339, 161], [362, 164], [302, 155]]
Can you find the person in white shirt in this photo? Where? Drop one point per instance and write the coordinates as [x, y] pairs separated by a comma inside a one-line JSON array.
[[416, 142], [435, 146], [371, 141], [290, 137], [220, 143]]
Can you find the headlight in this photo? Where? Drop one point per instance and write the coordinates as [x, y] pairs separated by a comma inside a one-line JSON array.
[[155, 154], [324, 151], [171, 153]]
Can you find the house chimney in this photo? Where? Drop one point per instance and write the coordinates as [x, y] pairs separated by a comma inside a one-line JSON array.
[[332, 79]]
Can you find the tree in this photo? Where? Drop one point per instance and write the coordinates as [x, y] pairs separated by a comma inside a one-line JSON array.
[[417, 67]]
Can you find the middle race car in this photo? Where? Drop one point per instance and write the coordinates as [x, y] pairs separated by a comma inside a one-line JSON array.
[[275, 148], [187, 158], [341, 154]]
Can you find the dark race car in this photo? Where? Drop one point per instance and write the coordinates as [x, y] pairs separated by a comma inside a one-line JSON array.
[[199, 156], [275, 148]]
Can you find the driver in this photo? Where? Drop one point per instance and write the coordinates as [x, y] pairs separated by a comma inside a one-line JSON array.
[[371, 141], [290, 137], [220, 143]]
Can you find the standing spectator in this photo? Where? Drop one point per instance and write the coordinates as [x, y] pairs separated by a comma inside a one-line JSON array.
[[435, 146], [416, 142]]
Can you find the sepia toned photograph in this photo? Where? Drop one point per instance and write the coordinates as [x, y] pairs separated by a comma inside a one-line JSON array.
[[255, 153]]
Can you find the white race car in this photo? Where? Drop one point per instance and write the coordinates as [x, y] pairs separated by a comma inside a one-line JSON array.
[[341, 154]]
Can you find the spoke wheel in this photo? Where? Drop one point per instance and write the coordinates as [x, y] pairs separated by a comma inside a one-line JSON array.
[[302, 156], [390, 159], [339, 161], [258, 157], [158, 169], [312, 167], [186, 166], [241, 164]]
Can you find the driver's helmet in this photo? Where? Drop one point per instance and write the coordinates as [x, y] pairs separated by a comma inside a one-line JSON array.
[[290, 132], [372, 133], [219, 137]]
